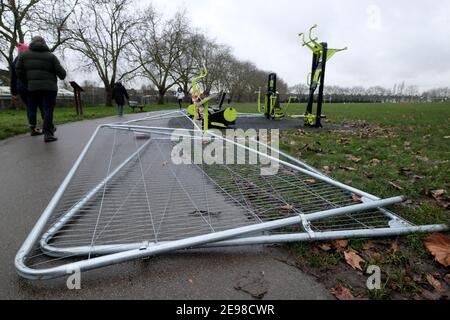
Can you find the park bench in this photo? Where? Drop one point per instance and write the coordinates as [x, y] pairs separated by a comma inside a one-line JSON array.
[[135, 105]]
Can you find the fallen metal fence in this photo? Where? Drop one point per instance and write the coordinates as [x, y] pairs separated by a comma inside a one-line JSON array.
[[125, 199]]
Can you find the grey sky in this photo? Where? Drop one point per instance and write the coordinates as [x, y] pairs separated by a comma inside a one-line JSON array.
[[389, 41]]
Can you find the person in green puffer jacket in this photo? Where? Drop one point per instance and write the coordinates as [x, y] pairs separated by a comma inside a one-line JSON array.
[[39, 69]]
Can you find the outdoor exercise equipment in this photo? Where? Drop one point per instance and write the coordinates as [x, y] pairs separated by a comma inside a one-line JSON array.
[[316, 79], [272, 108], [211, 117]]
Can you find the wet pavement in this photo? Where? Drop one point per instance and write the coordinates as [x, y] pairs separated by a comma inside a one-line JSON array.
[[31, 172]]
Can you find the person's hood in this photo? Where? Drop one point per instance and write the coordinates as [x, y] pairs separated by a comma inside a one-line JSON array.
[[39, 44], [22, 47]]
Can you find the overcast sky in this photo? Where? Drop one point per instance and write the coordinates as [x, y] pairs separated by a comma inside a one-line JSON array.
[[389, 41]]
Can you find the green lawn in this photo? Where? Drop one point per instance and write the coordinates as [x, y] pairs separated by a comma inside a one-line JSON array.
[[14, 122], [387, 150]]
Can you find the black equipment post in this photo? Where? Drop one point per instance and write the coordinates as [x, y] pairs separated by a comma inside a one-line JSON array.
[[322, 85], [271, 90], [312, 88]]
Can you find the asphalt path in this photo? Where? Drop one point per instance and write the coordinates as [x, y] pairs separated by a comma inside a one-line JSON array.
[[31, 172]]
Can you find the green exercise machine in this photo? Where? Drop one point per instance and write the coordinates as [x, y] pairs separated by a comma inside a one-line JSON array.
[[211, 116], [316, 79]]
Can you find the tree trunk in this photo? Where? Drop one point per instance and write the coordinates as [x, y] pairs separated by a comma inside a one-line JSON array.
[[161, 97], [108, 96]]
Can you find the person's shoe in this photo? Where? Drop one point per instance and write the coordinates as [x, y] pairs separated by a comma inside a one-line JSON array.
[[54, 129], [50, 138], [36, 132]]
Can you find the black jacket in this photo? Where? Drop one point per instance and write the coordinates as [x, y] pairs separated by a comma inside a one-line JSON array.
[[38, 68], [119, 94], [16, 86]]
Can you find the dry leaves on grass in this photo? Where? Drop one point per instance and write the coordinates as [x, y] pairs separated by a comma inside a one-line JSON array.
[[394, 247], [439, 246], [353, 158], [347, 168], [340, 244], [325, 247], [344, 141], [440, 197], [287, 208], [369, 245], [327, 170], [310, 181], [423, 159], [395, 185], [356, 198], [438, 193], [354, 260], [435, 283], [374, 162]]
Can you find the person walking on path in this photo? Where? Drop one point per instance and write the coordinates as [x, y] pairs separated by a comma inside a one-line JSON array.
[[39, 69], [180, 96], [20, 89], [119, 95]]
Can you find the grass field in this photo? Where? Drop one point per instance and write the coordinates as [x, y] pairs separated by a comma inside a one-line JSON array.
[[384, 149], [14, 122]]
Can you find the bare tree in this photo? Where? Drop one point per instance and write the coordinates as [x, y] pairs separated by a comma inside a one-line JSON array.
[[20, 18], [160, 49], [187, 66], [103, 32]]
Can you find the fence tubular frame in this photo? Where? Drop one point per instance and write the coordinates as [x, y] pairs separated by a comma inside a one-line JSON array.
[[233, 237]]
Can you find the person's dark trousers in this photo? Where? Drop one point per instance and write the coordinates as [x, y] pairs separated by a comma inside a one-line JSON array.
[[31, 109], [47, 101], [180, 103]]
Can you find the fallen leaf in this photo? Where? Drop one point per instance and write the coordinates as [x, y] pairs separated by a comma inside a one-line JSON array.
[[435, 283], [287, 207], [374, 162], [354, 260], [447, 137], [353, 158], [356, 198], [342, 293], [428, 136], [423, 159], [369, 245], [369, 175], [407, 144], [191, 281], [347, 168], [394, 247], [438, 193], [293, 143], [340, 244], [310, 181], [326, 169], [439, 246], [344, 141], [396, 186], [375, 256], [325, 247]]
